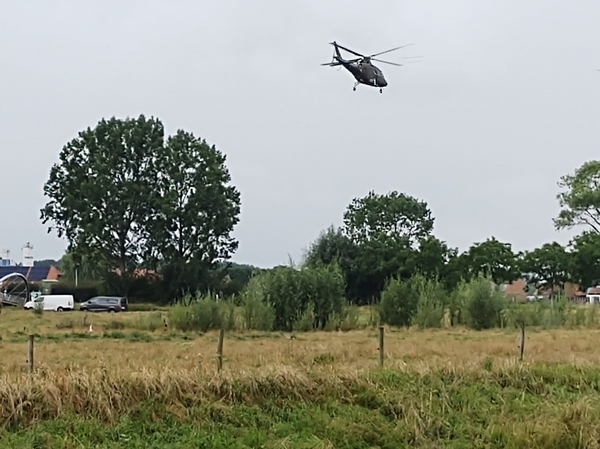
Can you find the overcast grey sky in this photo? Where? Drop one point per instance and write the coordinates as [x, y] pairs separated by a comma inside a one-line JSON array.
[[505, 101]]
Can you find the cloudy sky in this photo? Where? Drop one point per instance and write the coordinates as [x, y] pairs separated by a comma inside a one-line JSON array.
[[505, 100]]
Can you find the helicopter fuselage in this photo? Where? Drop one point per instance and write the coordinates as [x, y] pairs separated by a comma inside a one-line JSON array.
[[365, 73]]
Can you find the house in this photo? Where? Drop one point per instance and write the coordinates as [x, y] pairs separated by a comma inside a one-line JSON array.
[[33, 274], [521, 291], [516, 290]]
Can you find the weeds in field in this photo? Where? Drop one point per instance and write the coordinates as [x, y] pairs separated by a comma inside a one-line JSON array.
[[66, 323]]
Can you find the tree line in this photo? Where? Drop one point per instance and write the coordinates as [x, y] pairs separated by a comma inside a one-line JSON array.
[[151, 216]]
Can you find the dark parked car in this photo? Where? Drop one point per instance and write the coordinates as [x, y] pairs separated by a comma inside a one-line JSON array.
[[105, 304]]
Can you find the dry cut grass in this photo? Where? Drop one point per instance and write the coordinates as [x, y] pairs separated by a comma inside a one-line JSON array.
[[131, 348], [440, 385]]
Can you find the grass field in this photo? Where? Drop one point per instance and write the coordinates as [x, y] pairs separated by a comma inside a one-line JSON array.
[[133, 383]]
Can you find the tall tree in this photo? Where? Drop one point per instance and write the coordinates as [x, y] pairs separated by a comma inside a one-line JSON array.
[[585, 254], [549, 265], [491, 258], [580, 201], [433, 257], [99, 191], [331, 246], [386, 231], [196, 209], [392, 215], [83, 265]]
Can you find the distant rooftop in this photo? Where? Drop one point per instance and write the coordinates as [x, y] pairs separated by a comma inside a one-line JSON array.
[[33, 274]]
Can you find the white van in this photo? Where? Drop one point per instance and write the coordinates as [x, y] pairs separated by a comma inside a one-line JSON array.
[[51, 302]]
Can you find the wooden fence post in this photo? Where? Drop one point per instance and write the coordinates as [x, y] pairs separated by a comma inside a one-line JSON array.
[[30, 355], [220, 350], [522, 345], [381, 346]]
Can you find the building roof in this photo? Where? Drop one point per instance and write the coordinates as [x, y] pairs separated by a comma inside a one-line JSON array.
[[33, 274]]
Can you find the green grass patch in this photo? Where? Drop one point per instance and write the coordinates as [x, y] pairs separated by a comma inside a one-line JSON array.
[[540, 406]]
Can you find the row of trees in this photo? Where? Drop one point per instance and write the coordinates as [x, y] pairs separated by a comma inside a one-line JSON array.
[[133, 201], [385, 236]]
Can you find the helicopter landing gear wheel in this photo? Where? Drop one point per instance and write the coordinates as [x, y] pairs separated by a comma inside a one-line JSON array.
[[355, 84], [354, 88], [380, 91]]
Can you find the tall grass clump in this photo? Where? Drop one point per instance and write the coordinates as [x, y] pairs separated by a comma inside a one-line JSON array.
[[200, 313], [38, 308], [149, 322], [348, 319], [549, 314]]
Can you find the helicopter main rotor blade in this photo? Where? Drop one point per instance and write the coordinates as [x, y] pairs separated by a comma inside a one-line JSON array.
[[386, 62], [387, 51], [350, 51]]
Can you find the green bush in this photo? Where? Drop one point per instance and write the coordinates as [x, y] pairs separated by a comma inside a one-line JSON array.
[[431, 302], [483, 303], [256, 313], [399, 301], [291, 293], [199, 313]]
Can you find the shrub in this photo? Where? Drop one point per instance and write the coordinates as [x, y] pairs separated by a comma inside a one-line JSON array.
[[483, 304], [430, 305], [256, 313], [198, 313], [290, 293], [399, 301]]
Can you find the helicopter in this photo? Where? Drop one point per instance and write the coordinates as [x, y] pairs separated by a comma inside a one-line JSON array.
[[361, 68]]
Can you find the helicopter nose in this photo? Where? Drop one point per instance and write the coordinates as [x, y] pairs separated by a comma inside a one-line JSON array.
[[382, 82]]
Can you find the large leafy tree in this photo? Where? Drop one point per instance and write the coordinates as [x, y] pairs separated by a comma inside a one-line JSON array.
[[433, 257], [585, 256], [391, 215], [549, 265], [490, 258], [99, 192], [580, 199], [127, 197], [386, 231], [331, 246], [195, 210]]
